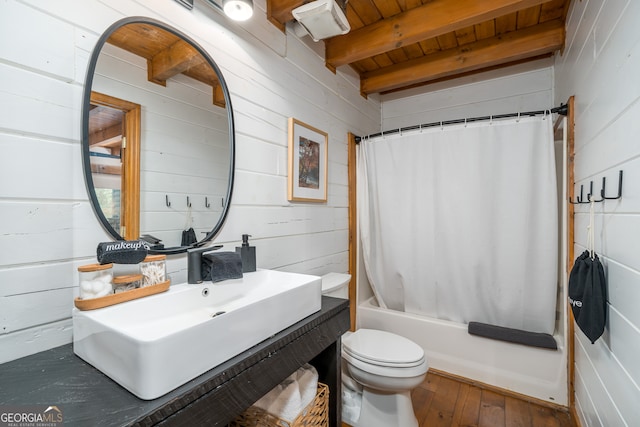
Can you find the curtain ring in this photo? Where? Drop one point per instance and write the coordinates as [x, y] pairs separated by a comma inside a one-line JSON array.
[[441, 126], [420, 127], [465, 122], [518, 119], [491, 119]]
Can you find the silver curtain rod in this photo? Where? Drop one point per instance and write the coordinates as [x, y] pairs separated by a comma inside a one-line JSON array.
[[563, 109]]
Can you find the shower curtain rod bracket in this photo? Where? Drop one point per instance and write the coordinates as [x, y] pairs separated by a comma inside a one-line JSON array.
[[563, 110]]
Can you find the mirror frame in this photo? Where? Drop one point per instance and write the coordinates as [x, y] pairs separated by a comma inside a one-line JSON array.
[[86, 101]]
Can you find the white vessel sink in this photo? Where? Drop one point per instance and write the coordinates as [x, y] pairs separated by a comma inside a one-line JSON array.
[[154, 344]]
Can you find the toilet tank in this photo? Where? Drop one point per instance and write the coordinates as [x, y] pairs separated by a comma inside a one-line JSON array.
[[336, 285]]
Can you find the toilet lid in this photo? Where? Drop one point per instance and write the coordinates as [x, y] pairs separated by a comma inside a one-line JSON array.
[[333, 281], [383, 348]]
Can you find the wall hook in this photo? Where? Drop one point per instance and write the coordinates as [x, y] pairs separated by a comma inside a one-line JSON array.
[[590, 193], [188, 202], [579, 197], [206, 202], [602, 191], [166, 198]]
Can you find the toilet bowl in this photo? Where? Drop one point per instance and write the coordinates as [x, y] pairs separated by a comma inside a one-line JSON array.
[[386, 367]]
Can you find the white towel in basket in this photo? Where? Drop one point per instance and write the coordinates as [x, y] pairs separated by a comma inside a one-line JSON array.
[[287, 405], [308, 383], [288, 399]]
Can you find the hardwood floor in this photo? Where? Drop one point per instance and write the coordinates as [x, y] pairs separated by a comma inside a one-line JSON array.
[[445, 401]]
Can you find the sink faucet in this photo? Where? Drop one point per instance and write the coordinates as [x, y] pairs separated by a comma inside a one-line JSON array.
[[194, 263]]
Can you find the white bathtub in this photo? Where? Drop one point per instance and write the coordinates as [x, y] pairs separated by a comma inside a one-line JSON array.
[[535, 372]]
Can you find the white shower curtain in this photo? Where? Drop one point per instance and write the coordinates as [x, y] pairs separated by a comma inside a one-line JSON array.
[[460, 222]]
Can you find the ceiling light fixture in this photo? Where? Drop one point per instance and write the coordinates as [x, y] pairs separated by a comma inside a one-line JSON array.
[[238, 10]]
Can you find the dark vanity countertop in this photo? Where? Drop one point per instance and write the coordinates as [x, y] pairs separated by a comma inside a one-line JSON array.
[[87, 397]]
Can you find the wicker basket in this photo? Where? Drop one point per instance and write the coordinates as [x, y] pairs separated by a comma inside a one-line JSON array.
[[316, 414]]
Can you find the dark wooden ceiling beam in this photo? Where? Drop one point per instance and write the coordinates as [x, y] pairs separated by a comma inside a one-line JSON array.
[[517, 45], [430, 20]]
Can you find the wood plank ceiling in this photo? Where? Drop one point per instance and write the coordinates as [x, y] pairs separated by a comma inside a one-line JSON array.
[[397, 44]]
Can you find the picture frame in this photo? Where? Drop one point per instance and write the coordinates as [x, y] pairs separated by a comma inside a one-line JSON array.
[[308, 160]]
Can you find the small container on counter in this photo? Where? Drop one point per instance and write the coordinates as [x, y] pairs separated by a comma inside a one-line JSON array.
[[154, 270], [95, 280], [126, 283]]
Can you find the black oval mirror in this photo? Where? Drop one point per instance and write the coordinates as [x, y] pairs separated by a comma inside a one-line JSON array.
[[158, 137]]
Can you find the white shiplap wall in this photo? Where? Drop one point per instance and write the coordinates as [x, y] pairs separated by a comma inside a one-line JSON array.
[[48, 227], [526, 87], [600, 66]]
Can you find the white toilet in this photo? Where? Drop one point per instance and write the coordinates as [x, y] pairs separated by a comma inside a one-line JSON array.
[[387, 367], [336, 285], [380, 367]]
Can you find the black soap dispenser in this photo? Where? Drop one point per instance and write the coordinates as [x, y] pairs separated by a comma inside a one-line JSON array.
[[248, 255]]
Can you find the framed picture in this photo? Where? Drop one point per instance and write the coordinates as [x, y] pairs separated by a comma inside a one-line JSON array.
[[308, 151]]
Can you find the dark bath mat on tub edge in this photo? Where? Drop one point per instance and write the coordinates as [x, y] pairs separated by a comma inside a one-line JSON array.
[[518, 336]]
